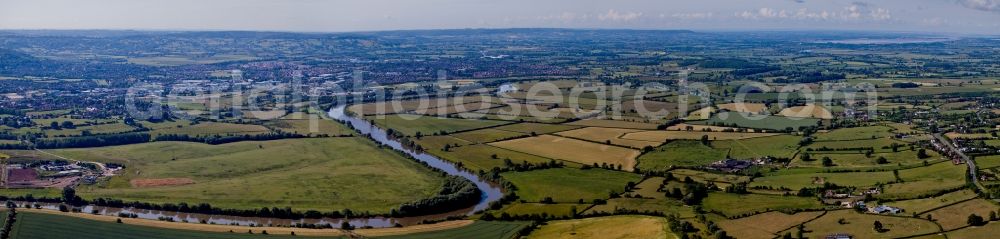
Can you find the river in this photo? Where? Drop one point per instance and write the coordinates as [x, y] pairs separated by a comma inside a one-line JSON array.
[[490, 193]]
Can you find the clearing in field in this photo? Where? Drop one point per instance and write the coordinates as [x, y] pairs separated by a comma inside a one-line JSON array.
[[807, 111], [680, 153], [323, 174], [609, 135], [569, 185], [860, 225], [410, 125], [766, 225], [572, 150], [725, 203], [613, 227], [956, 216]]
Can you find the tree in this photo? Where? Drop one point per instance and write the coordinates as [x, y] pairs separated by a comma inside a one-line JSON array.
[[993, 216], [68, 125], [922, 154], [704, 140], [976, 220], [878, 226], [827, 162], [881, 160], [806, 157]]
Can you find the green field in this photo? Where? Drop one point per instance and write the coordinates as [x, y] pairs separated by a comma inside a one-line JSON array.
[[758, 121], [47, 226], [739, 204], [783, 146], [322, 174], [856, 133], [679, 153], [808, 180], [409, 125], [479, 229], [212, 128], [569, 185], [537, 128]]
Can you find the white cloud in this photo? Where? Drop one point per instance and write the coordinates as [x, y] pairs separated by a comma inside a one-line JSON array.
[[689, 16], [564, 17], [854, 12], [984, 5], [881, 14], [614, 15]]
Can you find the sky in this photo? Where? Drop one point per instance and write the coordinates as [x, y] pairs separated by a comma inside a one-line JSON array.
[[933, 16]]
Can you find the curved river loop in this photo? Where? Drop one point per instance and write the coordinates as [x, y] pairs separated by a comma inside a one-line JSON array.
[[490, 192]]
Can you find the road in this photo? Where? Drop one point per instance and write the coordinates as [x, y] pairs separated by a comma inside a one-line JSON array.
[[968, 161]]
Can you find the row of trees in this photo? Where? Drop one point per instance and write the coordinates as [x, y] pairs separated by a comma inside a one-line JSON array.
[[457, 193], [223, 139], [93, 141]]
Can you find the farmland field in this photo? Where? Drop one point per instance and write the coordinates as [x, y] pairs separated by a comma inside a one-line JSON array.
[[572, 150], [680, 153], [410, 125], [756, 203], [956, 215], [613, 227], [860, 225], [480, 156], [797, 181], [924, 204], [605, 135], [764, 122], [536, 128], [213, 128], [807, 111], [569, 185], [766, 225], [253, 174], [613, 124], [784, 146], [661, 136]]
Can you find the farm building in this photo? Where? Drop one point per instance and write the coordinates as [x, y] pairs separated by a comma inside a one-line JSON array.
[[883, 209]]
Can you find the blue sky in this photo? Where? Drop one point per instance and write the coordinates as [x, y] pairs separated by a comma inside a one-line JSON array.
[[957, 16]]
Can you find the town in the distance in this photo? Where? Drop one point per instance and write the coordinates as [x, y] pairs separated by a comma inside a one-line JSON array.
[[498, 133]]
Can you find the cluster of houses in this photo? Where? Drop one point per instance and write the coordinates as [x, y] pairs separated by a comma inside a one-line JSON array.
[[734, 165], [857, 201]]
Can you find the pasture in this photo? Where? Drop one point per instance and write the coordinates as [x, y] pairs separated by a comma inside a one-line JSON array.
[[572, 150], [212, 128], [680, 153], [759, 121], [410, 125], [536, 128], [924, 204], [613, 124], [568, 184], [664, 135], [808, 180], [956, 216], [323, 174], [856, 133], [807, 111], [766, 225], [784, 146], [860, 225], [755, 203]]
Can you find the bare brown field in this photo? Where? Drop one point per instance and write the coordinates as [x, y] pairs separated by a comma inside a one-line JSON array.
[[573, 150], [807, 111], [160, 182], [755, 108], [766, 225], [609, 135], [702, 114], [663, 135]]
